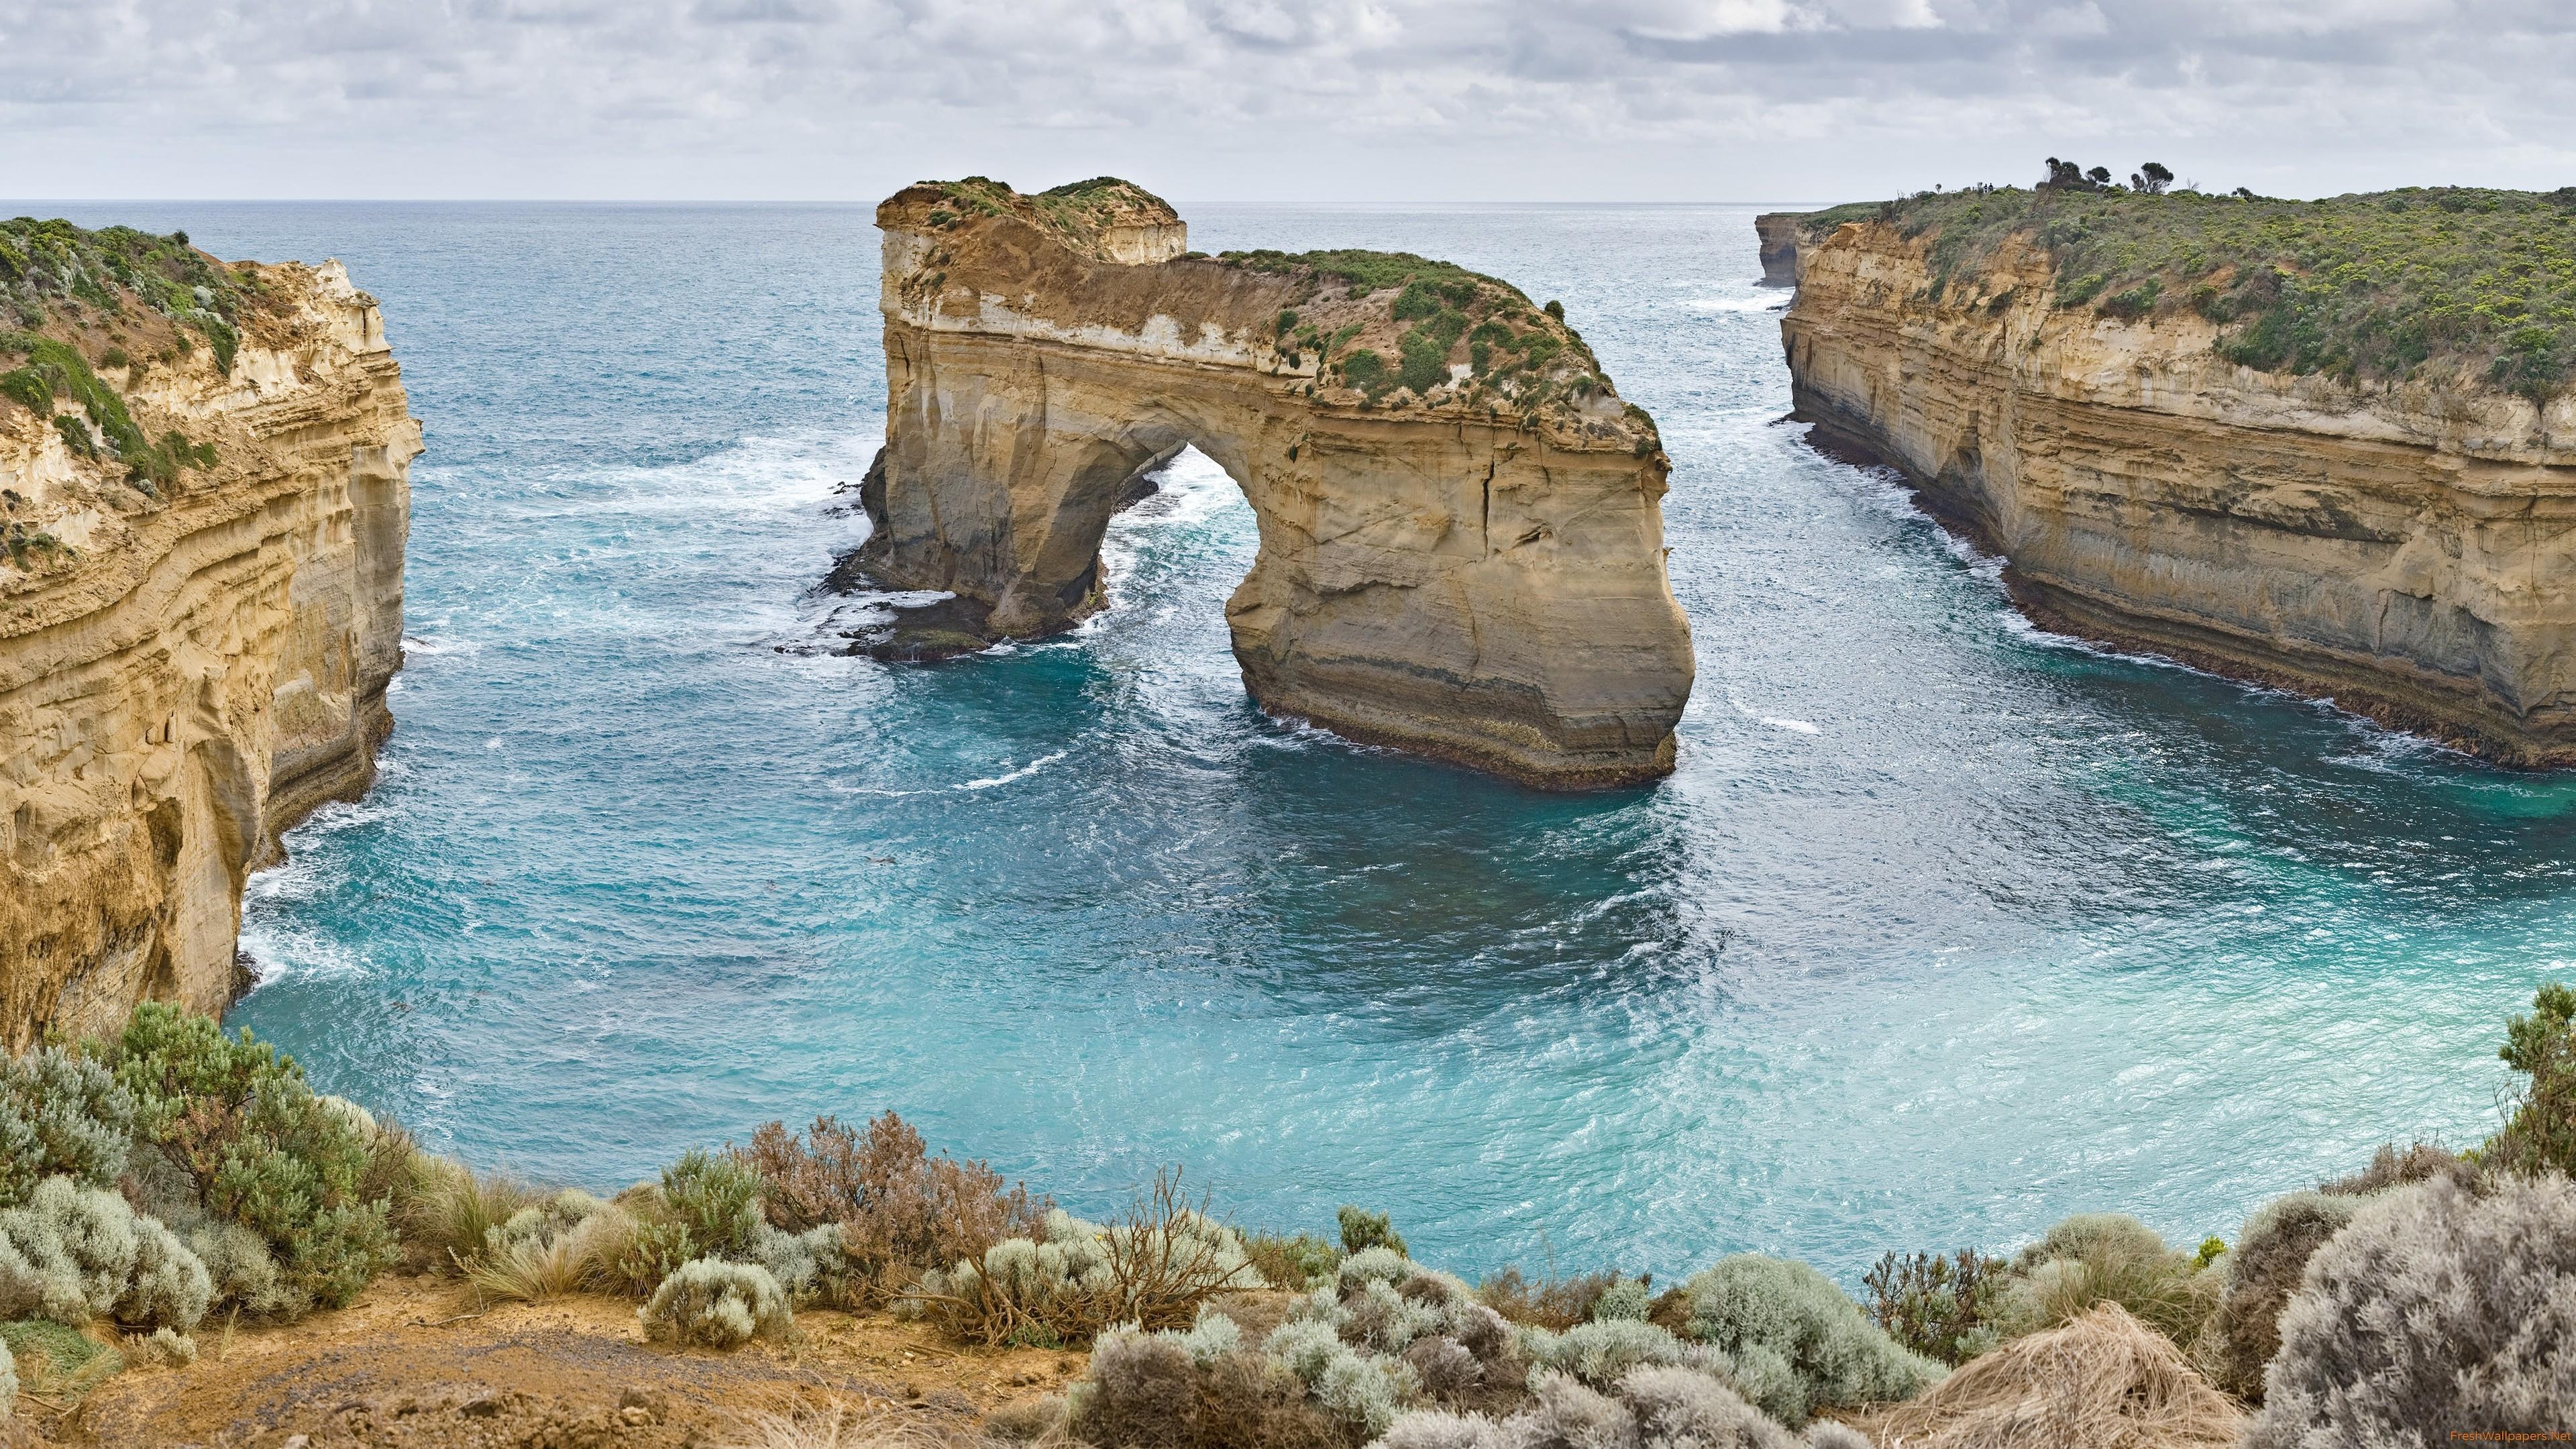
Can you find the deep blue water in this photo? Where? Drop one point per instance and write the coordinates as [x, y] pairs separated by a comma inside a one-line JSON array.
[[1943, 929]]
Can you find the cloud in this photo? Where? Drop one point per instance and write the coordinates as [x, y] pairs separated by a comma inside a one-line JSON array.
[[1291, 100]]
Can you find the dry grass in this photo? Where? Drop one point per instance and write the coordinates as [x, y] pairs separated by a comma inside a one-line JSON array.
[[2103, 1381]]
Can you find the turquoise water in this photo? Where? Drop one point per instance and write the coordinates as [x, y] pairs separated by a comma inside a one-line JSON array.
[[1943, 929]]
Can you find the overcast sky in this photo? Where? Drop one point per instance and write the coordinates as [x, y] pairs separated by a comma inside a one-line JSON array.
[[1298, 101]]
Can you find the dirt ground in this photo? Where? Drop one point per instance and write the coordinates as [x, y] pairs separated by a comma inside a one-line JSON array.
[[418, 1363]]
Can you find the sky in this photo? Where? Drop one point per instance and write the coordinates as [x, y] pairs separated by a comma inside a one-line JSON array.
[[1298, 102]]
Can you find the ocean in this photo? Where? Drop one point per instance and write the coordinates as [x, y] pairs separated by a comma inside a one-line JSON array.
[[1944, 927]]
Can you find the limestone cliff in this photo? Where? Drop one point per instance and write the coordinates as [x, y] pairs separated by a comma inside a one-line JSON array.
[[2389, 528], [1461, 531], [202, 482], [1778, 231]]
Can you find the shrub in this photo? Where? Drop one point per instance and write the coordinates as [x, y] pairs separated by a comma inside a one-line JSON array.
[[2093, 1258], [1601, 1354], [1291, 1262], [2391, 1168], [1652, 1408], [1155, 1389], [917, 1211], [60, 1115], [1156, 1269], [1798, 1344], [2439, 1307], [1624, 1299], [717, 1199], [244, 1273], [1362, 368], [8, 1382], [2540, 1134], [719, 1304], [2271, 1252], [57, 1361], [811, 1178], [73, 1253], [170, 1288], [1553, 1302], [239, 1120], [571, 1243], [808, 1265], [1943, 1308]]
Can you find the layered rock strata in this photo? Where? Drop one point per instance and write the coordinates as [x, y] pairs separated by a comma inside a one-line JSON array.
[[1778, 231], [1461, 535], [196, 635], [2408, 549]]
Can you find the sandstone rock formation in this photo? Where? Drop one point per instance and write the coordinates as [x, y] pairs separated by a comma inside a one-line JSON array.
[[1779, 233], [195, 634], [2407, 548], [1461, 531]]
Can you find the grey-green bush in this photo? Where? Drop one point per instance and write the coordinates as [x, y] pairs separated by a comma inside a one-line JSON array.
[[2263, 1270], [1798, 1344], [169, 1289], [2111, 1257], [1650, 1408], [60, 1115], [8, 1382], [2442, 1306], [72, 1253], [716, 1303], [1627, 1298], [1600, 1354], [245, 1274]]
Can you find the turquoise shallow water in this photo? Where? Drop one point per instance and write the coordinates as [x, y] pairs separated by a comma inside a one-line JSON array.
[[1943, 928]]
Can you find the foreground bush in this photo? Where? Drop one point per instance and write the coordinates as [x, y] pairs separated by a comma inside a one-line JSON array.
[[2443, 1306], [8, 1382], [254, 1144], [72, 1253], [1797, 1343], [718, 1304], [899, 1210], [1648, 1408], [2095, 1258], [2101, 1381], [2540, 1136], [60, 1115], [1945, 1308], [1195, 1391], [1156, 1269]]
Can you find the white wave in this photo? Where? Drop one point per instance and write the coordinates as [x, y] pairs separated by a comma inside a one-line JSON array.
[[1798, 725], [1735, 304], [1022, 773], [987, 783]]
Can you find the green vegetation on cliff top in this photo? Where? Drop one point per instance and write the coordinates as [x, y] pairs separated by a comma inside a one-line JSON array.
[[55, 271], [2376, 287]]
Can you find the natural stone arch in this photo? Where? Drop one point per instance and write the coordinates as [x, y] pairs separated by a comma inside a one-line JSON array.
[[1474, 569]]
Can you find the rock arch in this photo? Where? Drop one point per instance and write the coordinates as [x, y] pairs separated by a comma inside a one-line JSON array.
[[1461, 531]]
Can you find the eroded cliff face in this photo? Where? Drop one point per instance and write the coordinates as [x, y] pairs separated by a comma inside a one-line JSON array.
[[1778, 231], [188, 665], [1472, 567], [2408, 550]]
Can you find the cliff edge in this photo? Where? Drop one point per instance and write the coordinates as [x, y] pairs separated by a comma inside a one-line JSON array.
[[2326, 445], [203, 501], [1461, 528]]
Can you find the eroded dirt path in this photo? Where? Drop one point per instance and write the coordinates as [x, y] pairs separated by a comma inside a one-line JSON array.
[[420, 1364]]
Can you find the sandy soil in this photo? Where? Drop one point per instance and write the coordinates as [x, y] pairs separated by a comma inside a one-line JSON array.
[[419, 1363]]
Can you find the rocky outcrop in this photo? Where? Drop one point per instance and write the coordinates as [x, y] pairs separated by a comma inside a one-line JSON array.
[[2407, 549], [1778, 231], [195, 634], [1461, 535]]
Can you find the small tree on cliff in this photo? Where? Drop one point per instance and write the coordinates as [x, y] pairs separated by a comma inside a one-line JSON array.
[[2152, 178], [2100, 176]]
